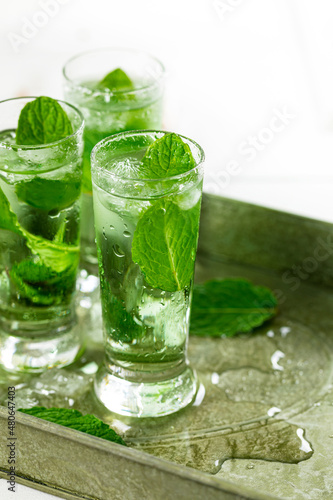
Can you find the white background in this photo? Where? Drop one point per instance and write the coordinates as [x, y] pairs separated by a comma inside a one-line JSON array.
[[232, 65]]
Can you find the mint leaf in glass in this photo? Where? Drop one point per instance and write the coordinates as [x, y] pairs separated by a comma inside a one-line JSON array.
[[42, 121], [116, 80], [164, 245], [168, 156], [75, 420], [40, 284], [230, 306], [47, 194], [124, 328], [57, 256], [8, 219]]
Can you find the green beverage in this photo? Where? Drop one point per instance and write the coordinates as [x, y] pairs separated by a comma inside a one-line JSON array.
[[147, 194], [41, 146], [116, 90]]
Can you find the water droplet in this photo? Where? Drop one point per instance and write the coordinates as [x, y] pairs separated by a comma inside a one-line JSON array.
[[111, 227], [275, 360], [104, 234], [305, 445], [250, 466], [127, 234], [118, 251], [285, 330], [273, 411]]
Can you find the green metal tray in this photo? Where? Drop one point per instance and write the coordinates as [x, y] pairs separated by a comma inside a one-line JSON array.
[[261, 425]]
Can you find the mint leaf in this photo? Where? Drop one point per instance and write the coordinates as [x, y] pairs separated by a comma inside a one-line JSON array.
[[57, 256], [164, 245], [124, 328], [42, 121], [75, 420], [230, 306], [52, 275], [116, 80], [168, 156], [8, 219], [41, 285], [47, 194]]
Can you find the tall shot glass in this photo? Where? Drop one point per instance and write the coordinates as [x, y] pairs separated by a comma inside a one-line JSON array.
[[146, 372], [110, 111], [40, 188]]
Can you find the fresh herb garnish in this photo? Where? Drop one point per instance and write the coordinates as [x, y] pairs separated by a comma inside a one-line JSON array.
[[168, 156], [40, 284], [75, 420], [53, 260], [230, 306], [42, 121], [49, 274], [47, 194], [124, 328], [8, 219], [116, 80], [164, 245]]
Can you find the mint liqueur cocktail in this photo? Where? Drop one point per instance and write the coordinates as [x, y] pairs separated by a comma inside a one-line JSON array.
[[116, 90], [147, 190], [41, 147]]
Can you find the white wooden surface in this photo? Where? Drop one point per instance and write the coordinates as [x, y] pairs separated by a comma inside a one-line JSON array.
[[233, 66]]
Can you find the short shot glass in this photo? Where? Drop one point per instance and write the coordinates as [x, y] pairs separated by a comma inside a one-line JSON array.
[[40, 187], [110, 111], [146, 372]]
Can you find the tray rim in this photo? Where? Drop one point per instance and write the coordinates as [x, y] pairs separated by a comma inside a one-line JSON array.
[[130, 454], [267, 209]]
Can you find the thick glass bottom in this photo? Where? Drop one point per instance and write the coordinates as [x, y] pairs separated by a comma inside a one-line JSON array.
[[36, 354], [136, 396]]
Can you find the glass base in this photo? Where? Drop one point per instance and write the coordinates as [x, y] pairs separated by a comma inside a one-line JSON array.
[[36, 354], [145, 399]]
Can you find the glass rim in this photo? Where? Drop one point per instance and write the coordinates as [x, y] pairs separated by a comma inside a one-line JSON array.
[[95, 163], [108, 91], [26, 147]]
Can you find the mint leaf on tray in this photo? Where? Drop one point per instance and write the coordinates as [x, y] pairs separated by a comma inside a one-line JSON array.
[[42, 121], [168, 156], [164, 245], [230, 306], [75, 420], [116, 80]]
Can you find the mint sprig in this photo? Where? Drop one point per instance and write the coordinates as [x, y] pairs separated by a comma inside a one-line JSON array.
[[230, 306], [42, 121], [164, 245], [75, 420], [165, 239], [116, 80], [168, 156]]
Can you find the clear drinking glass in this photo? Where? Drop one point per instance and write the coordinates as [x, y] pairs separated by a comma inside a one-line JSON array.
[[146, 372], [39, 244], [107, 112]]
